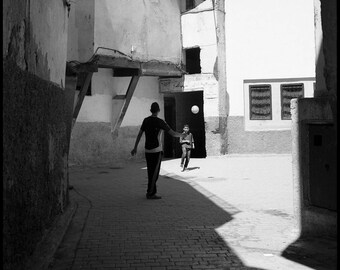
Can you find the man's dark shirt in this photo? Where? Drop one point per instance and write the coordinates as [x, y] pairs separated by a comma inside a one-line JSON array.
[[152, 126]]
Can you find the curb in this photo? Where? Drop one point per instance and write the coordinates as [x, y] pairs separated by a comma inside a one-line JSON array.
[[46, 248]]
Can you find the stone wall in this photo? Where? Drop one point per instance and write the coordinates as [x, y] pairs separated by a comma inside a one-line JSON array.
[[35, 147], [34, 161]]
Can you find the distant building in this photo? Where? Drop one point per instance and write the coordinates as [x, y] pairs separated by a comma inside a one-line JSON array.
[[268, 59], [244, 61], [146, 32]]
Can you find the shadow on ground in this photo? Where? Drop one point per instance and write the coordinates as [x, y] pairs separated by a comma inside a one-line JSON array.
[[317, 253], [116, 227]]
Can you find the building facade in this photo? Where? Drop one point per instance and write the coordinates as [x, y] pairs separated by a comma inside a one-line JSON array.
[[139, 31], [241, 71], [36, 124], [314, 135]]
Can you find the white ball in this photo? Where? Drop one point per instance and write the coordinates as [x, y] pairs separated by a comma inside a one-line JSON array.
[[195, 109]]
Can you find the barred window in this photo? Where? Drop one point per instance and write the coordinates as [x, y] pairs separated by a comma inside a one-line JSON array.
[[289, 91], [260, 102]]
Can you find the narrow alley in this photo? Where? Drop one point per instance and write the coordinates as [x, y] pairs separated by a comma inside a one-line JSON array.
[[231, 212]]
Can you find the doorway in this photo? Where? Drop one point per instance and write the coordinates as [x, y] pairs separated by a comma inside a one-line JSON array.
[[177, 113], [170, 118]]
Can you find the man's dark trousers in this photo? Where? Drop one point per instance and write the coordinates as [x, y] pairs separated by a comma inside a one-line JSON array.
[[153, 163]]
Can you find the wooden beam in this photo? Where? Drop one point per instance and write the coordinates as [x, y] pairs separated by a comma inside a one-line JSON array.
[[129, 67], [160, 69], [125, 72], [81, 97], [125, 105], [78, 68], [107, 61], [119, 97]]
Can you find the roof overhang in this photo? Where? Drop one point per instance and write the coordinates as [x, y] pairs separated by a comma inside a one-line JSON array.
[[123, 66]]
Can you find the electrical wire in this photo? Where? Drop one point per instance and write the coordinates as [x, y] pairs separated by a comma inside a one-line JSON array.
[[95, 53]]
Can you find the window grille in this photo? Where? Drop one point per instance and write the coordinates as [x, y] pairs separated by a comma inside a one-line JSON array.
[[289, 91], [260, 102]]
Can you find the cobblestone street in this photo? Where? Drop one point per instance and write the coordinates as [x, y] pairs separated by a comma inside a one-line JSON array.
[[232, 212]]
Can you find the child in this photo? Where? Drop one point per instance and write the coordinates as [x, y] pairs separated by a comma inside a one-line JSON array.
[[187, 144]]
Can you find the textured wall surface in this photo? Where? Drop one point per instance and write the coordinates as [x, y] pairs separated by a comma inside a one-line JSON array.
[[34, 129], [323, 108], [34, 161], [241, 141], [92, 143], [39, 48], [261, 43], [329, 29], [148, 26], [212, 136], [80, 45]]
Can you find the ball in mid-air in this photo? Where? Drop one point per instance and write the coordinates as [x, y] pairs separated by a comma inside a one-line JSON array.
[[195, 109]]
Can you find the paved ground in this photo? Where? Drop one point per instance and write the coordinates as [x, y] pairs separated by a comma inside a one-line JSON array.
[[231, 212]]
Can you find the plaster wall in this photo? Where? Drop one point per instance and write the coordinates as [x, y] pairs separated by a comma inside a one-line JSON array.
[[32, 44], [152, 28], [80, 45], [92, 140], [319, 55], [98, 107], [313, 218], [198, 29], [267, 39], [35, 147], [147, 26]]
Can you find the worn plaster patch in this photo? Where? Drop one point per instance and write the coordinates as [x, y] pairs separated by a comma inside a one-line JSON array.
[[16, 46]]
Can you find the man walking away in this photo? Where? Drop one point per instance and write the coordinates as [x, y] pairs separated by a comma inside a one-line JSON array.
[[153, 128]]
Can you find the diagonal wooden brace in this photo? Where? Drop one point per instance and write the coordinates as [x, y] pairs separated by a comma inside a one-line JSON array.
[[81, 97], [124, 103]]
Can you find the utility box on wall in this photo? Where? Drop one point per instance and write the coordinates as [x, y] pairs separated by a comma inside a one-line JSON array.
[[314, 161], [322, 170]]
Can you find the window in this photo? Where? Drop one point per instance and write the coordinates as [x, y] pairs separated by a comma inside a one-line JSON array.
[[260, 102], [189, 4], [289, 91], [80, 82], [267, 101], [193, 61]]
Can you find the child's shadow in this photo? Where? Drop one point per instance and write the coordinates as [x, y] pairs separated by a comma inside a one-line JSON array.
[[192, 168]]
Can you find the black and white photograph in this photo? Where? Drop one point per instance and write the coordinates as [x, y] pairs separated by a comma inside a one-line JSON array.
[[169, 134]]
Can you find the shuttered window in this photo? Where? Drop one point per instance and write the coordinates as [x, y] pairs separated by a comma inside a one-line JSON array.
[[289, 91], [260, 102]]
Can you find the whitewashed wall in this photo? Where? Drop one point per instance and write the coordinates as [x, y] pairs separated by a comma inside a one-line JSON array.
[[151, 27], [98, 107], [198, 29], [267, 39]]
